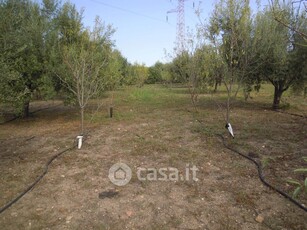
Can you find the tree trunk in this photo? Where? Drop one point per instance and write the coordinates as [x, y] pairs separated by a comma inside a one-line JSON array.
[[111, 111], [26, 109], [82, 120], [277, 96], [215, 86]]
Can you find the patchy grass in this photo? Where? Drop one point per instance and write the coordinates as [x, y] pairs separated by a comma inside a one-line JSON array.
[[155, 126]]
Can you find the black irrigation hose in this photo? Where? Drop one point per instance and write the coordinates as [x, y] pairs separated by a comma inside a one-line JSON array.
[[259, 168], [292, 114], [16, 138], [9, 204]]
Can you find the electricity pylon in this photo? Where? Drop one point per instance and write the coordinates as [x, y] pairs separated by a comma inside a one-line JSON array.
[[180, 37]]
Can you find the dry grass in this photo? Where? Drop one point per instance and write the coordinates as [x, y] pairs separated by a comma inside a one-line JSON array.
[[155, 127]]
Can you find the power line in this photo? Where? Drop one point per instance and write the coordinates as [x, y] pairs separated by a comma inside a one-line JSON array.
[[130, 11]]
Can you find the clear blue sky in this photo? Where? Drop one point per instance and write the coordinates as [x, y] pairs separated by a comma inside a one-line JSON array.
[[142, 34]]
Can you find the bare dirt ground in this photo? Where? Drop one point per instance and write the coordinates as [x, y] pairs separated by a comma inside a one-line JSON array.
[[153, 127]]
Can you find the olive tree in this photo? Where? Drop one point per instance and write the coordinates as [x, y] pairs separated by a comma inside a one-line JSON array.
[[84, 65], [281, 50], [229, 32], [23, 53]]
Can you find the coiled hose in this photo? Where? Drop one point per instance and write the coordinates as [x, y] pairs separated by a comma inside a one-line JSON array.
[[259, 169]]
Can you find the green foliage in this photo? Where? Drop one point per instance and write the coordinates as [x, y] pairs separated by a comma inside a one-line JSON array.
[[155, 73], [211, 66], [22, 52], [86, 64], [38, 42], [142, 95], [179, 68], [137, 75], [12, 87], [230, 27], [299, 185], [29, 34], [46, 88], [244, 51], [281, 52], [230, 35], [116, 71]]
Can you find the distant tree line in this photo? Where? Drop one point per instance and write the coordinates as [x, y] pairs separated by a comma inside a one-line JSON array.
[[47, 52]]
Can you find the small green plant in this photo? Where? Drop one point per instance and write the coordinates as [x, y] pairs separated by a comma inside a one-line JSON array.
[[299, 185]]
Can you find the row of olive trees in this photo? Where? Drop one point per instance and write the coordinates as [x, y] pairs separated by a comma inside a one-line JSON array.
[[242, 50], [45, 51]]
